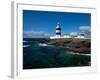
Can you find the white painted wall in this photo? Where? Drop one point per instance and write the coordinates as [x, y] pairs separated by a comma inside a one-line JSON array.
[[5, 39]]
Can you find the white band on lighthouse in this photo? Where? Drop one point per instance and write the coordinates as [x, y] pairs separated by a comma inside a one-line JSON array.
[[58, 31]]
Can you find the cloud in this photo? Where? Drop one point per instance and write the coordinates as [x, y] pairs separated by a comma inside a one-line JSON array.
[[73, 33], [35, 34], [85, 28]]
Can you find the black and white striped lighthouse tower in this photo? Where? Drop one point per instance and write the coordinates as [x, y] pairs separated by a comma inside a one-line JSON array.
[[58, 30]]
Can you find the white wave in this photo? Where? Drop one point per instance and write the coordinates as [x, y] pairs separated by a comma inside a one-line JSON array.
[[26, 45], [42, 44]]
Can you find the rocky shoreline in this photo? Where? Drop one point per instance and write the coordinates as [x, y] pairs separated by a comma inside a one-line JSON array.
[[72, 44]]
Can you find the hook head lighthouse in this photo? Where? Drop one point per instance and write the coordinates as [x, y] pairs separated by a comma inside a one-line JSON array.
[[58, 30]]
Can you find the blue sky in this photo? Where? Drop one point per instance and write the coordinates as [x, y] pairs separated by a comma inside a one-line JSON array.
[[43, 23]]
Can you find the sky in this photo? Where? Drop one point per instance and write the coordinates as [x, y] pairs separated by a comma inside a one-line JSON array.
[[43, 23]]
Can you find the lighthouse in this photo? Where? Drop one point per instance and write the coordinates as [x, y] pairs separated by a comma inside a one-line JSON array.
[[58, 30]]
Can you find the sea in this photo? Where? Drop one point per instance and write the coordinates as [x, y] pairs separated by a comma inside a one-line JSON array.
[[37, 55]]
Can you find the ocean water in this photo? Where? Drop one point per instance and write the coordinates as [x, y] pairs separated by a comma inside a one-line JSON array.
[[37, 55]]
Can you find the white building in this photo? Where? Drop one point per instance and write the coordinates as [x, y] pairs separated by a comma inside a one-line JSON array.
[[66, 36], [79, 36]]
